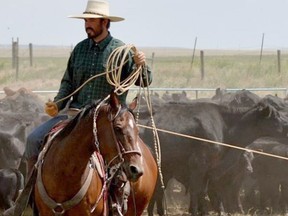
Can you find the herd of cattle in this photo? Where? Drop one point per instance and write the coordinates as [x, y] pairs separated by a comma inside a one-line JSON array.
[[20, 112], [218, 178]]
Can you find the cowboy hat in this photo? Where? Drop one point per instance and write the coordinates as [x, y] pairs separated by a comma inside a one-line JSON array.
[[97, 9]]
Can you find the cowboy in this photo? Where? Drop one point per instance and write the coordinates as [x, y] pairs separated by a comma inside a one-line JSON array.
[[88, 58]]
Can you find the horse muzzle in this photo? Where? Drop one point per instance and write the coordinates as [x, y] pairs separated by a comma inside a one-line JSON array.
[[134, 172]]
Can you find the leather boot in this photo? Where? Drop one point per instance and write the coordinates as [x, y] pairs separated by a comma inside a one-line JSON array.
[[30, 165]]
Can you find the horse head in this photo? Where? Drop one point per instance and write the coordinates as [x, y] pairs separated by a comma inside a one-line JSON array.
[[117, 133]]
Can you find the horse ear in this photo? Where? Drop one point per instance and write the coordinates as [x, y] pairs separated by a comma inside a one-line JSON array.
[[114, 101], [133, 104]]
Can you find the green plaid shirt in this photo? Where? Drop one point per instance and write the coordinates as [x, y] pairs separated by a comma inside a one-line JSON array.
[[86, 60]]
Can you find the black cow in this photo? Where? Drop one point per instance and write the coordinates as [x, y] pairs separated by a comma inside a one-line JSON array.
[[11, 185], [279, 103], [253, 125], [225, 181], [177, 117], [270, 174], [188, 160], [241, 98]]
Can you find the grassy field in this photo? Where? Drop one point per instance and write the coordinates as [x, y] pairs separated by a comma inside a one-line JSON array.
[[171, 67]]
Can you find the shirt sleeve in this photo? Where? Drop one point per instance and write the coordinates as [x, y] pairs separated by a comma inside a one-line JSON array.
[[146, 78], [66, 85], [130, 66]]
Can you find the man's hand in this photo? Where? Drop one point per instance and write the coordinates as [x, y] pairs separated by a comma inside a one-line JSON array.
[[51, 108], [139, 58]]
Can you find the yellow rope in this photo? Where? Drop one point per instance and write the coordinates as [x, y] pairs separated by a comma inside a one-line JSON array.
[[156, 139], [114, 78], [80, 87], [115, 70], [215, 142]]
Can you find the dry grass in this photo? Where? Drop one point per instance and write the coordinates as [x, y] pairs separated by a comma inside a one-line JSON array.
[[171, 67]]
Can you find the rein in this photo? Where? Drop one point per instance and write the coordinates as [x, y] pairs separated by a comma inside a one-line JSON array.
[[112, 170], [120, 149]]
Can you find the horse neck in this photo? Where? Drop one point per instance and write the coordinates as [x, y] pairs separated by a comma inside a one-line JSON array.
[[76, 146]]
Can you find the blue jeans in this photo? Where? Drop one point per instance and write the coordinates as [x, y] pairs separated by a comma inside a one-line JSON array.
[[36, 137]]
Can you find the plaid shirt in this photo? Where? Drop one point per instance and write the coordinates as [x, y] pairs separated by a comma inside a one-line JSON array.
[[86, 60]]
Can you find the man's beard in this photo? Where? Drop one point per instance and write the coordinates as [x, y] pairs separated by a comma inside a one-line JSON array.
[[91, 33]]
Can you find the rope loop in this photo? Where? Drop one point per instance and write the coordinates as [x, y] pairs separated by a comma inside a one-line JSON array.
[[114, 67], [115, 63]]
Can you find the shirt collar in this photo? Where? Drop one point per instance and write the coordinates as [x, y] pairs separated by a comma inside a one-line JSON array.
[[102, 44]]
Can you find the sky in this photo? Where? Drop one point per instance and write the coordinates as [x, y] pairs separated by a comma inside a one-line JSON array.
[[217, 24]]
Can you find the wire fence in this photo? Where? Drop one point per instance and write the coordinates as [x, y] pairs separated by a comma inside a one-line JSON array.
[[194, 93]]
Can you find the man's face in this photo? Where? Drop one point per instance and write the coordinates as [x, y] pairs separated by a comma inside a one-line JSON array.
[[94, 27]]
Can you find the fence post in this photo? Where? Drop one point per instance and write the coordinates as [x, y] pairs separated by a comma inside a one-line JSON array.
[[14, 44], [279, 60], [15, 56], [262, 43], [31, 54], [202, 64], [152, 60], [17, 60], [192, 60]]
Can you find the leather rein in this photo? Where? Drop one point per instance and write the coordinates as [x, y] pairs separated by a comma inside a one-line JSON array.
[[120, 148]]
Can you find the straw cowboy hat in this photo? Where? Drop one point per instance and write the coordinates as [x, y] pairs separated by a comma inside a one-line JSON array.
[[97, 9]]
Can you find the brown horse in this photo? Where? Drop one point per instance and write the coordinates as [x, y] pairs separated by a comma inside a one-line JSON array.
[[66, 183]]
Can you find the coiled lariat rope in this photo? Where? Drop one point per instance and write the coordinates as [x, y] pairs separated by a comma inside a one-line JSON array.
[[115, 63]]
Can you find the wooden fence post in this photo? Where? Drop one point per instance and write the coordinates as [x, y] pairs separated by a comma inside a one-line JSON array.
[[15, 56], [14, 44], [279, 60], [152, 60], [31, 54], [202, 64], [262, 43], [192, 60], [17, 59]]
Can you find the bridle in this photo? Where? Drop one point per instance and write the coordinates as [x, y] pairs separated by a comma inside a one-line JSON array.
[[119, 146], [110, 169]]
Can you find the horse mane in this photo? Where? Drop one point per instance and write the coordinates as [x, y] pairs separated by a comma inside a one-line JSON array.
[[74, 121], [84, 112]]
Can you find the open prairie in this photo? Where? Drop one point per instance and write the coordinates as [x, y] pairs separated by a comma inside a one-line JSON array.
[[172, 67]]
